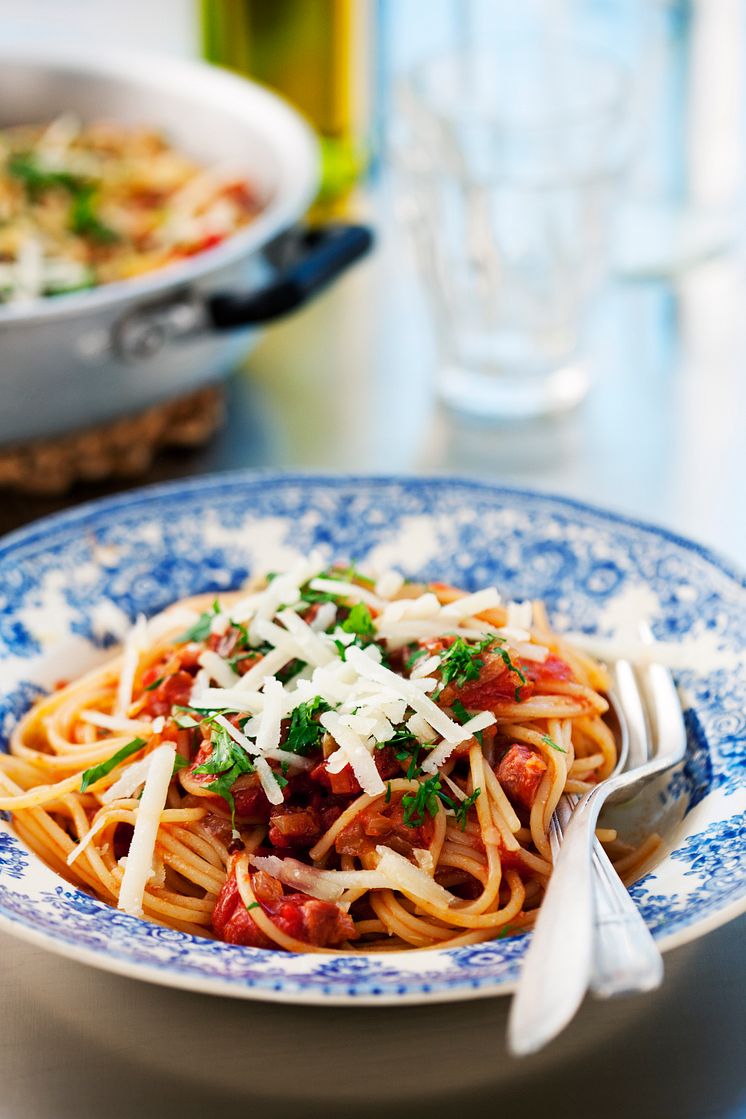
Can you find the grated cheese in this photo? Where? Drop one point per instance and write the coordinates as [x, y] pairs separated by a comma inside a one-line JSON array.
[[268, 734], [140, 858], [411, 880], [352, 749], [471, 604], [128, 782], [389, 583], [268, 781], [437, 757], [134, 643], [328, 885], [408, 690], [218, 669]]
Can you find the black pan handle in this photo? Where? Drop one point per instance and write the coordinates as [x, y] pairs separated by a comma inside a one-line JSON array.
[[319, 255]]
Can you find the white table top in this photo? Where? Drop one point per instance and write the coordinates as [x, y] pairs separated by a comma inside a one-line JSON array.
[[344, 386]]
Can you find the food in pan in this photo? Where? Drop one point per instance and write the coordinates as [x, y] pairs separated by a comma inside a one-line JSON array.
[[88, 204]]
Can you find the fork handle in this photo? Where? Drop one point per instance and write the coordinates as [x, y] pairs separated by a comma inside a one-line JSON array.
[[625, 956], [559, 961]]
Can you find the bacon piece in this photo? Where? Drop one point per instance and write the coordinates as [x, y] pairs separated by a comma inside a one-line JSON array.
[[294, 826], [316, 922], [383, 823], [232, 922], [543, 672], [520, 773], [345, 783], [175, 690]]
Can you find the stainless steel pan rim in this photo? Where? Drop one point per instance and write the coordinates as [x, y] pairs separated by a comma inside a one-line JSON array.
[[298, 155]]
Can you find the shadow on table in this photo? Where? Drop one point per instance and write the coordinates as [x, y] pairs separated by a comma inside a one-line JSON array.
[[90, 1044]]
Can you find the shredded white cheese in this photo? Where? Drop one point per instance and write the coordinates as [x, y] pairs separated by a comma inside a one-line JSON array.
[[140, 858], [328, 885], [218, 669], [352, 749], [411, 880], [134, 643], [268, 781]]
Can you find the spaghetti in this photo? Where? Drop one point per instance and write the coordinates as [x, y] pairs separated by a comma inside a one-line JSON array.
[[319, 762]]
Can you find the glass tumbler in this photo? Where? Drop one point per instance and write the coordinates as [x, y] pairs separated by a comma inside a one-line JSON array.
[[507, 162]]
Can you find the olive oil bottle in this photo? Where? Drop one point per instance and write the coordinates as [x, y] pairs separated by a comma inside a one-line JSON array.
[[316, 54]]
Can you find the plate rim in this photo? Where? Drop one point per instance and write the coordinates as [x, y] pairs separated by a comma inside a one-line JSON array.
[[232, 480], [26, 534]]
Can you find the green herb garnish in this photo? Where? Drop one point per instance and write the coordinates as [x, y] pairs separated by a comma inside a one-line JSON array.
[[85, 221], [200, 631], [407, 747], [305, 731], [179, 763], [359, 621], [228, 761], [156, 684], [550, 742], [461, 662], [181, 716], [463, 716], [426, 800], [90, 776], [513, 668], [37, 179], [461, 807], [254, 905], [418, 654]]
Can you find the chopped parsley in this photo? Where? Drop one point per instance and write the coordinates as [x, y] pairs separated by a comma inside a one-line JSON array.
[[37, 179], [84, 219], [227, 762], [407, 747], [254, 905], [305, 731], [426, 801], [179, 763], [463, 716], [96, 772], [461, 663], [513, 667], [156, 684], [200, 631], [550, 742], [182, 717], [461, 808], [359, 621], [412, 659]]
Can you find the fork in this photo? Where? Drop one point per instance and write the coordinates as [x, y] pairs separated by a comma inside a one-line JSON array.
[[559, 963], [625, 956]]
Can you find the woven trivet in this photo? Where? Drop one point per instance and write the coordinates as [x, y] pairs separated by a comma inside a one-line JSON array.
[[123, 448]]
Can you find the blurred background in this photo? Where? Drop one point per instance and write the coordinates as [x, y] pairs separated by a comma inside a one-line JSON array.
[[555, 294], [554, 299]]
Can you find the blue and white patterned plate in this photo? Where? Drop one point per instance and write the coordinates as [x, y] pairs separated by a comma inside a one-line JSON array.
[[68, 585]]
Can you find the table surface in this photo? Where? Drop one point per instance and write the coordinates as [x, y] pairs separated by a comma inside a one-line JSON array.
[[346, 385]]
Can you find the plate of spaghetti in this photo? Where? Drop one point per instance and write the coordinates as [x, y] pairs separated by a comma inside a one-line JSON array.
[[301, 738]]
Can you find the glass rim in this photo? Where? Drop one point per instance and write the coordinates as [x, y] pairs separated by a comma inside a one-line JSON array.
[[414, 82]]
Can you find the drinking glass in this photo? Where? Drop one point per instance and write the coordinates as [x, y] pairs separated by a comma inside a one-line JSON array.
[[508, 162]]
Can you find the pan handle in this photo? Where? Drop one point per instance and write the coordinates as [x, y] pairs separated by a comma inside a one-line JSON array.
[[317, 256], [303, 261]]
